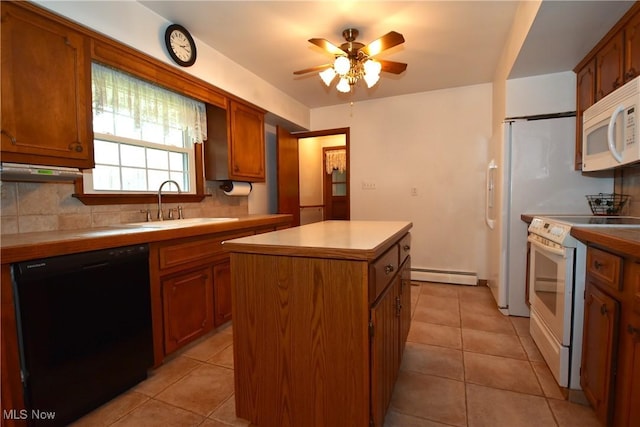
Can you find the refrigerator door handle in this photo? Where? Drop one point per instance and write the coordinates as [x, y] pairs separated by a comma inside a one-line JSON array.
[[490, 193]]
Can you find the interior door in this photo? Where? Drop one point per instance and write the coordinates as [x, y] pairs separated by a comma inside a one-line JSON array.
[[336, 204], [288, 169], [288, 175]]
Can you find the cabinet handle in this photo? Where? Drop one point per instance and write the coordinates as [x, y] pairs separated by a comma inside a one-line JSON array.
[[603, 309], [632, 330], [388, 269], [616, 83], [631, 73], [597, 265], [76, 146], [11, 137], [406, 248]]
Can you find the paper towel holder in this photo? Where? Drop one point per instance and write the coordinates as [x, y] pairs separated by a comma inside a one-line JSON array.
[[227, 186]]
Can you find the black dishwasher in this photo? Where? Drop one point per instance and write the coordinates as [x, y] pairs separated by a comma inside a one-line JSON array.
[[84, 328]]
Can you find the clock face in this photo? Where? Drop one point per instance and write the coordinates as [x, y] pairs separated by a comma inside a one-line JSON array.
[[180, 45]]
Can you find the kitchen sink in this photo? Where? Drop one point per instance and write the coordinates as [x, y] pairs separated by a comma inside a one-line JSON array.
[[177, 223]]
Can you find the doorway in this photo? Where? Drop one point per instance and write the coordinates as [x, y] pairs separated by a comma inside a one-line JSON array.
[[305, 189], [335, 184]]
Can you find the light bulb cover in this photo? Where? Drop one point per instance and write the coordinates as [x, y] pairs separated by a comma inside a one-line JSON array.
[[371, 79], [342, 65], [343, 85], [372, 67], [327, 76]]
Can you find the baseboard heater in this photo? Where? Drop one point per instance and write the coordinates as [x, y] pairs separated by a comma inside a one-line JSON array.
[[443, 276]]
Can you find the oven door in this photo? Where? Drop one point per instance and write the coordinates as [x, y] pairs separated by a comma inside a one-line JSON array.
[[551, 287]]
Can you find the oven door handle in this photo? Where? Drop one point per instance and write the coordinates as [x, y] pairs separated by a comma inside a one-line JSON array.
[[545, 248]]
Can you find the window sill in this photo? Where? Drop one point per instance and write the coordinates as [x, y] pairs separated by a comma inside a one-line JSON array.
[[128, 199]]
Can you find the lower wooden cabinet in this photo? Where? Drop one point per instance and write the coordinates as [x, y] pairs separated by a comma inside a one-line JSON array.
[[385, 349], [318, 340], [610, 370], [627, 392], [601, 314], [222, 293], [187, 307]]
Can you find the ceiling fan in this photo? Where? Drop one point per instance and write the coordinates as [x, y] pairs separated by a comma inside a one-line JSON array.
[[354, 60]]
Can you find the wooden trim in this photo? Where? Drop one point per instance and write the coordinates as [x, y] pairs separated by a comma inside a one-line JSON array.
[[131, 199]]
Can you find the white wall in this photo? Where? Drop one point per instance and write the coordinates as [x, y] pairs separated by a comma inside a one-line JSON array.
[[435, 142]]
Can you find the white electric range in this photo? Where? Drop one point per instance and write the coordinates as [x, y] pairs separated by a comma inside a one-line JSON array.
[[557, 267]]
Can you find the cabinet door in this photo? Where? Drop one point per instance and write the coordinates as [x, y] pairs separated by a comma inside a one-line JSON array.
[[632, 48], [609, 74], [601, 314], [405, 299], [627, 397], [585, 98], [222, 293], [46, 91], [246, 149], [187, 307], [385, 349]]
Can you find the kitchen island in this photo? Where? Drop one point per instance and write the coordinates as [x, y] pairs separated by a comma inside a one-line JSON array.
[[321, 314]]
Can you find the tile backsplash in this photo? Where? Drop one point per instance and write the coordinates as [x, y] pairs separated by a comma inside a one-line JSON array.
[[27, 207], [627, 181]]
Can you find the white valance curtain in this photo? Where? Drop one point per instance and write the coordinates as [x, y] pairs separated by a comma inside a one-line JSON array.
[[122, 94], [336, 160]]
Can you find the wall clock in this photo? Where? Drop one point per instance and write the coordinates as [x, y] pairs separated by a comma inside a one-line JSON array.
[[180, 45]]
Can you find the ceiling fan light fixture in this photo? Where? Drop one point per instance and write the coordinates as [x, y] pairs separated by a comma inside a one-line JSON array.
[[343, 85], [327, 76], [372, 67], [342, 65], [371, 79]]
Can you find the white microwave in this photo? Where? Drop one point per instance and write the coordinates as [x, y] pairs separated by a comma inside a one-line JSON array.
[[610, 133]]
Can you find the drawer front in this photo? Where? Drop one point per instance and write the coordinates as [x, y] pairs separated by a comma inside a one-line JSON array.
[[605, 268], [405, 247], [382, 271], [194, 249]]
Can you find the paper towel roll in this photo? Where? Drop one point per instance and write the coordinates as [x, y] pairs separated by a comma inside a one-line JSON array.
[[236, 188]]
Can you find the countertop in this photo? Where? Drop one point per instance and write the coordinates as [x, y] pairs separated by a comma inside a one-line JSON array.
[[360, 240], [25, 246], [625, 241]]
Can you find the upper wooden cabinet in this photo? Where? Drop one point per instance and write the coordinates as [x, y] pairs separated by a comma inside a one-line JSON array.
[[609, 67], [632, 48], [585, 94], [235, 148], [614, 61], [46, 91], [246, 145]]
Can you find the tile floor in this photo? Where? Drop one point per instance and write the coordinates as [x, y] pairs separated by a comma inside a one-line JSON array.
[[465, 364]]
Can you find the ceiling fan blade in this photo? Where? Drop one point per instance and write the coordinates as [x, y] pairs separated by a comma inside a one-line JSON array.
[[385, 42], [328, 46], [312, 69], [392, 66]]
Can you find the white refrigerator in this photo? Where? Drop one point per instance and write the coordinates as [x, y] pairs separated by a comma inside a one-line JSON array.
[[533, 173]]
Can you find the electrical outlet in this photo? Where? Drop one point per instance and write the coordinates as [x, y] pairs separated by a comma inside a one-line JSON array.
[[368, 185]]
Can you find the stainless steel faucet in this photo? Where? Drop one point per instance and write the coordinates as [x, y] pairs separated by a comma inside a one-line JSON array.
[[160, 214]]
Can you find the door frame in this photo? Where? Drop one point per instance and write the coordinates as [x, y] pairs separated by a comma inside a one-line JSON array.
[[285, 167]]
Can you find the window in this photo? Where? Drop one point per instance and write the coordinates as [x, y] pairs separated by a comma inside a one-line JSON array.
[[143, 135]]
